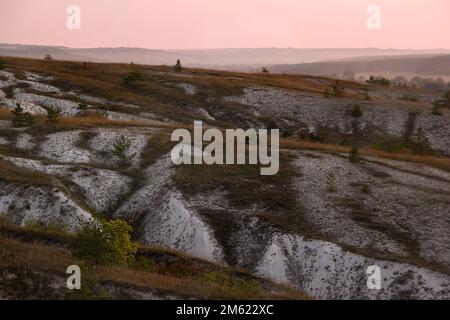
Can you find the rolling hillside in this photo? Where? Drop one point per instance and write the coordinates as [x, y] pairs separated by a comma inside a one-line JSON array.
[[243, 59], [316, 225], [428, 65]]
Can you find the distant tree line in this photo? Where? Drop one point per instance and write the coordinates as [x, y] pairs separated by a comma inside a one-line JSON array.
[[434, 84]]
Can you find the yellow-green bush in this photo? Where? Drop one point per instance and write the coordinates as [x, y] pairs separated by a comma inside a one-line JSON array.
[[102, 242]]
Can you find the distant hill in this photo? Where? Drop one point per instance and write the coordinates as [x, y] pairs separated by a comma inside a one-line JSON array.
[[432, 65], [231, 59], [38, 52]]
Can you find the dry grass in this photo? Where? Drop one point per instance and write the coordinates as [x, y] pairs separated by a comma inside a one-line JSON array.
[[154, 94], [238, 180], [433, 161], [5, 114], [308, 145], [90, 121], [100, 121], [11, 173], [234, 80], [15, 253], [35, 232], [244, 189], [191, 287], [437, 162], [38, 257], [56, 237], [103, 80], [158, 92]]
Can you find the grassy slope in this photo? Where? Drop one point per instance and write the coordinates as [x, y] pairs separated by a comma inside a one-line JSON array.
[[157, 270], [154, 95], [157, 94]]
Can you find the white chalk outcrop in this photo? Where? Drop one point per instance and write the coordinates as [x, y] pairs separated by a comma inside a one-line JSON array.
[[326, 271], [165, 219]]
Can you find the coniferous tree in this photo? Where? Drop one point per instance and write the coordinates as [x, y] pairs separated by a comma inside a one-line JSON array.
[[21, 118], [132, 79], [357, 111], [338, 88], [122, 147], [54, 113], [354, 155], [421, 143], [82, 106], [178, 67]]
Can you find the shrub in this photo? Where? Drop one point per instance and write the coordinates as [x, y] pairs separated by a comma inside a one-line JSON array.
[[250, 286], [105, 243], [48, 57], [132, 79], [21, 118], [101, 113], [225, 279], [288, 132], [437, 110], [444, 101], [9, 92], [338, 88], [326, 94], [438, 103], [146, 264], [122, 147], [2, 65], [357, 111], [178, 67], [54, 113], [354, 155], [365, 189], [218, 277], [82, 106], [264, 70], [379, 80]]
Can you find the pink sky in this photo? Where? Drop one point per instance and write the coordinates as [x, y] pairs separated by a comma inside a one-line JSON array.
[[417, 24]]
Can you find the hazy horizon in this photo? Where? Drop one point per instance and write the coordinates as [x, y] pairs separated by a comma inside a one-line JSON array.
[[225, 48], [202, 24]]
